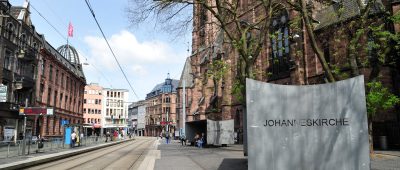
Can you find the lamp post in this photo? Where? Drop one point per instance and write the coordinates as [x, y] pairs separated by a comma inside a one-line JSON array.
[[167, 124]]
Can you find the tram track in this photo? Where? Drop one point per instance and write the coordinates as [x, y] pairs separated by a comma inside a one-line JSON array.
[[92, 155], [82, 164]]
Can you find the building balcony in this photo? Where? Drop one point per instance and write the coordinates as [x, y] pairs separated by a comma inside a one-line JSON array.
[[27, 54], [9, 110]]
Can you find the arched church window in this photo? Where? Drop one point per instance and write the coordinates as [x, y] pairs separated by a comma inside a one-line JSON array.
[[280, 46]]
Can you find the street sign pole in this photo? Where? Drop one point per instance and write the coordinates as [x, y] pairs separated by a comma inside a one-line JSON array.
[[24, 131]]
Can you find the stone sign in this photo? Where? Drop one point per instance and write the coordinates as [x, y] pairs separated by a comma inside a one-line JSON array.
[[307, 127], [220, 132]]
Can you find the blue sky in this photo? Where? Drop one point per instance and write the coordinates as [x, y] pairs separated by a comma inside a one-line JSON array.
[[146, 54]]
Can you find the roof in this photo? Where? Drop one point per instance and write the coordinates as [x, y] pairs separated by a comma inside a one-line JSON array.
[[169, 86], [186, 75], [15, 11], [343, 11], [75, 68]]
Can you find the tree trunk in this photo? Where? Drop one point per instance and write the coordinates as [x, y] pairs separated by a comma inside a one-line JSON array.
[[371, 142], [314, 43]]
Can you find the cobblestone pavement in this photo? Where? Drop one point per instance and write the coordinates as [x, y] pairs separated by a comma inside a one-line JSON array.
[[174, 156], [385, 162]]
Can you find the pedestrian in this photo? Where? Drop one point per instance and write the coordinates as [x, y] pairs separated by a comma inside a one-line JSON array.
[[20, 137], [107, 135], [167, 137], [73, 139], [81, 138], [115, 135], [195, 140], [183, 139], [200, 141]]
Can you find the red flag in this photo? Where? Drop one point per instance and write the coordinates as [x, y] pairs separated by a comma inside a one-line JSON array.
[[70, 30]]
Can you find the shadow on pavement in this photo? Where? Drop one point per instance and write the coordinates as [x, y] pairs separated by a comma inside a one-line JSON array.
[[233, 164]]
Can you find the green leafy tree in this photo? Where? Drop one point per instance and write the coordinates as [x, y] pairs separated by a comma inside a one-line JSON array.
[[378, 98]]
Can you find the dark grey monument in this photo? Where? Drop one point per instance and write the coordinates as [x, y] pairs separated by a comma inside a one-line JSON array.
[[307, 127]]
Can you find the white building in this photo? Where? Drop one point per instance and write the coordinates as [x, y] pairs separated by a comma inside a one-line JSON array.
[[136, 118], [115, 110]]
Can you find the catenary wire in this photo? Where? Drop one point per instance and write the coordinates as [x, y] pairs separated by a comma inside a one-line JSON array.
[[112, 52], [65, 38]]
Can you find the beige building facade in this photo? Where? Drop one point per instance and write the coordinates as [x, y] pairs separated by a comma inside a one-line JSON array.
[[92, 108]]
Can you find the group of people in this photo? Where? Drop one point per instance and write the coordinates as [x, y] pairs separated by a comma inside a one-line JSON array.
[[199, 140], [115, 136]]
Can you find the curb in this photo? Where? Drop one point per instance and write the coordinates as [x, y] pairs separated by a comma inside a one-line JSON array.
[[55, 156], [388, 154]]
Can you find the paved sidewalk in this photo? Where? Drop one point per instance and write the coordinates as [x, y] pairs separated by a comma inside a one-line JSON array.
[[21, 162], [174, 156], [386, 160]]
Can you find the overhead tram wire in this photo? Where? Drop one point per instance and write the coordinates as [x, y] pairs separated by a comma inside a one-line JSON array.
[[108, 44], [65, 38], [48, 22]]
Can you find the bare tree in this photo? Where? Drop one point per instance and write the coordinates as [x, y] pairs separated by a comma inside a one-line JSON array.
[[171, 16]]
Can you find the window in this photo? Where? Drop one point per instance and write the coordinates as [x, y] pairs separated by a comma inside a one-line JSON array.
[[84, 110], [280, 47], [8, 60], [84, 101], [62, 80], [43, 67], [48, 96], [23, 40], [61, 98], [10, 31], [66, 102], [96, 101], [55, 99], [41, 92], [51, 72], [56, 79]]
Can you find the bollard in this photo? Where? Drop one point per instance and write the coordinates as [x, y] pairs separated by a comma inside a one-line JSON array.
[[8, 149], [19, 147]]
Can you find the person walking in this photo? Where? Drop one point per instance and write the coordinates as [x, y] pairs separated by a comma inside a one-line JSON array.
[[73, 139], [167, 137], [183, 139], [107, 136]]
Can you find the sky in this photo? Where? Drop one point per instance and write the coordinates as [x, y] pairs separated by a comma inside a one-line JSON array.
[[146, 54]]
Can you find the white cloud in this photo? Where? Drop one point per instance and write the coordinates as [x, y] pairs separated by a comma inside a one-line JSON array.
[[140, 70], [129, 51]]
